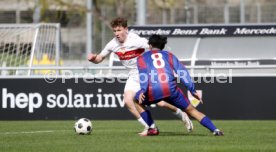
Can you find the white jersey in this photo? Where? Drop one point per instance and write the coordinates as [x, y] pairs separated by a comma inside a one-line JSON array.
[[128, 51]]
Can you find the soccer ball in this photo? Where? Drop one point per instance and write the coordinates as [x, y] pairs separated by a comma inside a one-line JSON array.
[[83, 126]]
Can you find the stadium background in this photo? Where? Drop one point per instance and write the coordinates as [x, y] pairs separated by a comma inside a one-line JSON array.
[[41, 100], [248, 60]]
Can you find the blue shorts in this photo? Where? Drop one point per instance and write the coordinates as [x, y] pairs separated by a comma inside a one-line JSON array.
[[177, 98]]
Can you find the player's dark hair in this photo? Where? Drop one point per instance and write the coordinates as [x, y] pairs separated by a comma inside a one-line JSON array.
[[157, 41], [119, 22]]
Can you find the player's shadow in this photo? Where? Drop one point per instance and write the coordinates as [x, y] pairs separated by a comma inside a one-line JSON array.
[[179, 134]]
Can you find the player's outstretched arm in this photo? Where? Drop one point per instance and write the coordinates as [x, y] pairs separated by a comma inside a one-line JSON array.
[[95, 58], [183, 74]]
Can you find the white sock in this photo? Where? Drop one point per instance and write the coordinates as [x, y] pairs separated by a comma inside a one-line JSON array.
[[141, 120], [178, 113], [216, 130], [152, 126]]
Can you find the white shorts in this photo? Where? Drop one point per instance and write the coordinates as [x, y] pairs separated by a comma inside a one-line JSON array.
[[132, 83]]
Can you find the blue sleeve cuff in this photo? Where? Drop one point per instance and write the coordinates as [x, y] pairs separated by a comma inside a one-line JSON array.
[[193, 91]]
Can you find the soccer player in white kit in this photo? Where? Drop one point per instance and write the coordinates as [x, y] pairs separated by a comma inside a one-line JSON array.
[[128, 46]]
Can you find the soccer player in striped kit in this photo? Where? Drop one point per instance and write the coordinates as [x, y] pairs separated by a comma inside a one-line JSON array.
[[157, 69], [128, 46]]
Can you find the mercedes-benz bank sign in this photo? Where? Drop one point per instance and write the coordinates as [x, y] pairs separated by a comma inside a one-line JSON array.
[[35, 99], [206, 31]]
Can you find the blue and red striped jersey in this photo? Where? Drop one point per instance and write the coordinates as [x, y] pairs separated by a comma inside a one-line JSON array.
[[157, 69]]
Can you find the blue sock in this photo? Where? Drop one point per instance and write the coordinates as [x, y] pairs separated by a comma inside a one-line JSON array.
[[206, 122], [146, 115]]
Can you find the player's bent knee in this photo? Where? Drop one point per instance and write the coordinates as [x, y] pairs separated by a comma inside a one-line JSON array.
[[129, 102], [190, 109], [128, 96], [129, 99]]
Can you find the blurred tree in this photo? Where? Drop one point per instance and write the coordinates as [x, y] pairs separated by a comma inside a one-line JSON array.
[[56, 10], [168, 9], [165, 3], [122, 8]]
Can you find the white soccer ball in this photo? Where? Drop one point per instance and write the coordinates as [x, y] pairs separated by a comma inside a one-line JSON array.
[[83, 126]]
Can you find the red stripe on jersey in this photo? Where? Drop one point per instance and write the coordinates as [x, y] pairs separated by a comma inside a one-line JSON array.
[[150, 93], [171, 64], [129, 54], [163, 82], [154, 51], [171, 60], [141, 62]]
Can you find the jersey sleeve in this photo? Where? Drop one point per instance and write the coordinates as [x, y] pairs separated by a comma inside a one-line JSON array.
[[107, 50], [144, 43], [143, 76], [140, 41], [183, 74]]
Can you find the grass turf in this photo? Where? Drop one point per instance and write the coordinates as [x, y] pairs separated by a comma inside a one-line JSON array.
[[121, 136]]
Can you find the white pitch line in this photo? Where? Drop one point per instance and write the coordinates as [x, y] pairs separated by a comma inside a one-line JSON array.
[[27, 132]]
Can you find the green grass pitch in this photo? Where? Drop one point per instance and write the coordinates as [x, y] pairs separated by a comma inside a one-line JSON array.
[[121, 136]]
